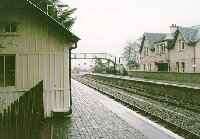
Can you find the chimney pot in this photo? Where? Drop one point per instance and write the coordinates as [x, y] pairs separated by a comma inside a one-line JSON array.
[[173, 28]]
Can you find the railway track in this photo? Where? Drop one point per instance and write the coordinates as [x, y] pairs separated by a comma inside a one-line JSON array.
[[182, 121]]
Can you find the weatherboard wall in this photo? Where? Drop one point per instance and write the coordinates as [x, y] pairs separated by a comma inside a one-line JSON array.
[[42, 53]]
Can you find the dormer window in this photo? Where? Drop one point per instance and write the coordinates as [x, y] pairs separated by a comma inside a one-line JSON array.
[[181, 45], [162, 48], [157, 49]]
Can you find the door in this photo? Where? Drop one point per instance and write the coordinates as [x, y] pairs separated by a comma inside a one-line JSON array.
[[163, 67]]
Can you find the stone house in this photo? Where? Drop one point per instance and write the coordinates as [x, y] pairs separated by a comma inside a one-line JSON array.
[[177, 51], [185, 54], [153, 52], [35, 47]]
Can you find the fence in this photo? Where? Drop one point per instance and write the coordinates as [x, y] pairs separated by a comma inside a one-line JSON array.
[[23, 118]]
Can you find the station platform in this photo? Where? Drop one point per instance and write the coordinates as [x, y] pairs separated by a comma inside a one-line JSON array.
[[95, 116]]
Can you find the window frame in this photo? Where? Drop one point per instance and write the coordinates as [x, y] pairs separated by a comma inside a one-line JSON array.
[[182, 45], [9, 27], [4, 70], [182, 66], [177, 67]]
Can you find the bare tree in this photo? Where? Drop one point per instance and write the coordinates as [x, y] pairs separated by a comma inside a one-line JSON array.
[[131, 53]]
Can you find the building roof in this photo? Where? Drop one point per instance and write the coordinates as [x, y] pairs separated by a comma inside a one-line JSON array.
[[189, 34], [169, 36], [70, 36], [29, 4], [149, 39]]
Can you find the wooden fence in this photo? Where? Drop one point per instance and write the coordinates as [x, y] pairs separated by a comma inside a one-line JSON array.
[[23, 118]]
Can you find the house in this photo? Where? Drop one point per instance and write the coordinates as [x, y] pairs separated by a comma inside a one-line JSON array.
[[153, 52], [177, 51], [185, 54], [35, 47]]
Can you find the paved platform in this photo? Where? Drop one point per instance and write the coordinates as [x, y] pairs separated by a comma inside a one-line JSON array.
[[96, 116]]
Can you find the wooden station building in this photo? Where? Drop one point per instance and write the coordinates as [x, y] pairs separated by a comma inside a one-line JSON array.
[[35, 47]]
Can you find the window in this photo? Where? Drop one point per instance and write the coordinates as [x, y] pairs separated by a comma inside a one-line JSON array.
[[169, 67], [177, 66], [163, 48], [144, 67], [156, 48], [7, 70], [146, 51], [181, 45], [160, 49], [8, 27], [149, 67], [11, 27], [182, 67]]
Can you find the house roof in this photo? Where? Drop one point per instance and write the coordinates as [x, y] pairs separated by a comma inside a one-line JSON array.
[[169, 36], [189, 34], [154, 36], [70, 36], [149, 39]]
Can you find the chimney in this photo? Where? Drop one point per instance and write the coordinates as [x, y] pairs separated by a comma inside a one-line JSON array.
[[173, 28]]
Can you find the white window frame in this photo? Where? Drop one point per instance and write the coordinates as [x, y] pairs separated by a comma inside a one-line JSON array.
[[181, 45]]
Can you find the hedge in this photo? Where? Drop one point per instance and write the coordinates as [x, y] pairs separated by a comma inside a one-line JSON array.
[[193, 78]]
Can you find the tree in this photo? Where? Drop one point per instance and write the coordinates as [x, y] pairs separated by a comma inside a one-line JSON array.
[[131, 53], [61, 14], [99, 66], [64, 16]]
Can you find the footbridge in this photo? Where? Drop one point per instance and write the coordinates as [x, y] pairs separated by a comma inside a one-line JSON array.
[[105, 56]]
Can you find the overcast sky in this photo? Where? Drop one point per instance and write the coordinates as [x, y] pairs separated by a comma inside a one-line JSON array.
[[106, 25]]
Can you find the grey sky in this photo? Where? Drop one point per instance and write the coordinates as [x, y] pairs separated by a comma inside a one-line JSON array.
[[106, 25]]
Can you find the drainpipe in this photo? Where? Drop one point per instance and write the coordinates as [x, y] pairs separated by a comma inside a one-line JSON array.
[[115, 63], [194, 68], [70, 75]]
